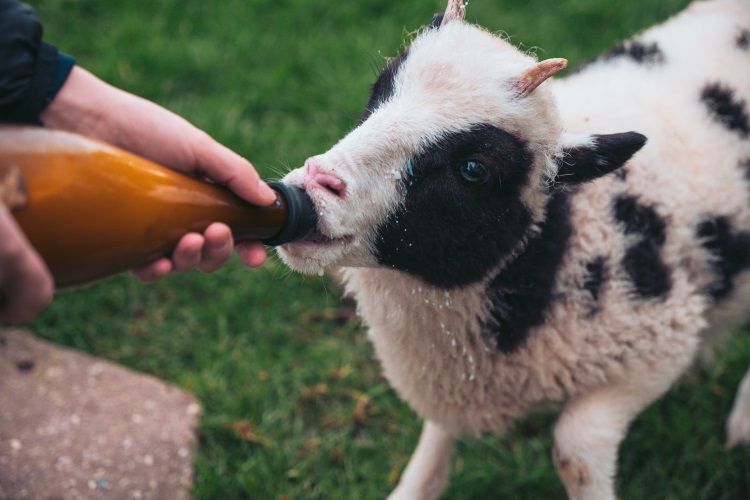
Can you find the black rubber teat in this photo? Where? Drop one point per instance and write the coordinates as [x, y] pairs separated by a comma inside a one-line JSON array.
[[301, 220]]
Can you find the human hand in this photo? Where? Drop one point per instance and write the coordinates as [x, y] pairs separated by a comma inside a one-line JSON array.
[[91, 107], [26, 286]]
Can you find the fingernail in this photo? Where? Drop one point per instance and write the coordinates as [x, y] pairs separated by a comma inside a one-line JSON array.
[[266, 191]]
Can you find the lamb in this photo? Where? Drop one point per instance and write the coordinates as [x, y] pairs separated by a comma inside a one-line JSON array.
[[512, 243]]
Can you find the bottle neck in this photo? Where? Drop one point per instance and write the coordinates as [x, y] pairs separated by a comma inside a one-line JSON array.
[[301, 217]]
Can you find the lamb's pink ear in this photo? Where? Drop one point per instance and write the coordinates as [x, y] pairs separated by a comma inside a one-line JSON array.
[[536, 75], [456, 11]]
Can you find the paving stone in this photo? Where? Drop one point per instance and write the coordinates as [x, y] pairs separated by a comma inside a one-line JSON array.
[[74, 426]]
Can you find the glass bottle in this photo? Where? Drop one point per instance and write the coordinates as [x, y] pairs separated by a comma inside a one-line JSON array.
[[92, 210]]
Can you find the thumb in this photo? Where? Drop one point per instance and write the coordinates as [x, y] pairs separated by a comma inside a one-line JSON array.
[[224, 166]]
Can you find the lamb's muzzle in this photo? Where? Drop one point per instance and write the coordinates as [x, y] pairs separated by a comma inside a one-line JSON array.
[[317, 178]]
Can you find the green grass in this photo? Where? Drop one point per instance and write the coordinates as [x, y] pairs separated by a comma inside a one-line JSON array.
[[279, 81]]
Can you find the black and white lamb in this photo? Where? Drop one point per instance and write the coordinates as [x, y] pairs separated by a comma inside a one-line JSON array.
[[512, 242]]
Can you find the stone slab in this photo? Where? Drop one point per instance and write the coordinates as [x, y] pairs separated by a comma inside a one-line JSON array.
[[74, 426]]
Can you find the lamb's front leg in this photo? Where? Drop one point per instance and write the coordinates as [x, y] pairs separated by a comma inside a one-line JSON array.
[[590, 429], [427, 474], [738, 424]]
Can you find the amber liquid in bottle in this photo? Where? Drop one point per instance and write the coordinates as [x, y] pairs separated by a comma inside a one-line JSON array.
[[93, 210]]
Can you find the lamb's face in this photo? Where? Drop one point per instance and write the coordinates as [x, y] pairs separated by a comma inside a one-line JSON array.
[[446, 172]]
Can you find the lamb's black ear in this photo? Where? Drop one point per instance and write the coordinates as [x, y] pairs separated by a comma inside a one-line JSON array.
[[597, 156], [437, 20]]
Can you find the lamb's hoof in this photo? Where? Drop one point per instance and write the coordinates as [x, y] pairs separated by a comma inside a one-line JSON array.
[[738, 427]]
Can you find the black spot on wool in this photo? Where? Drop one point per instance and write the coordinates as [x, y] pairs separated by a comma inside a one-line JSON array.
[[730, 251], [639, 219], [523, 290], [642, 261], [384, 86], [650, 276], [437, 20], [724, 108], [637, 51], [594, 279], [449, 232], [743, 39]]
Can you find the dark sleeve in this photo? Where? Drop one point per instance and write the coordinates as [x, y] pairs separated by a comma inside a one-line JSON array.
[[31, 71]]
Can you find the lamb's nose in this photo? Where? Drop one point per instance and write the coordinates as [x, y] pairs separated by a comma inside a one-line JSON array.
[[317, 177]]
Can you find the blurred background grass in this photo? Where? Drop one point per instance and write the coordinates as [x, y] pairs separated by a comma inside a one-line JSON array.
[[294, 403]]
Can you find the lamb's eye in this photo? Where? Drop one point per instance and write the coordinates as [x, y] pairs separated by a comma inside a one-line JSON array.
[[474, 172]]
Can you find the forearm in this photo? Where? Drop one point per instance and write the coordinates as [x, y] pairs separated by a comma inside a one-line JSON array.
[[92, 107], [89, 106]]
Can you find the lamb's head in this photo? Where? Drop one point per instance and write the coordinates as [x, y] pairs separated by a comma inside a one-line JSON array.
[[452, 164]]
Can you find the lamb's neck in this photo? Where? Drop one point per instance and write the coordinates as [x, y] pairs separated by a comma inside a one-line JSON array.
[[394, 304], [525, 274], [523, 289]]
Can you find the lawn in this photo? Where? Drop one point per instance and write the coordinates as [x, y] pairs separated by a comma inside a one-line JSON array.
[[295, 406]]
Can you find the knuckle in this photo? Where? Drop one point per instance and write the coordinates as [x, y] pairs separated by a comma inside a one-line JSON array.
[[219, 246], [204, 147], [204, 141]]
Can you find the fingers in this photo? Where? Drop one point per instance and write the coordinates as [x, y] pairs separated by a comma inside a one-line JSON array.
[[217, 248], [25, 281], [224, 166], [187, 255], [207, 252], [252, 254], [154, 271], [27, 291]]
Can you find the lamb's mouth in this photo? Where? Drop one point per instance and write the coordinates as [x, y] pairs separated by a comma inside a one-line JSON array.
[[318, 239]]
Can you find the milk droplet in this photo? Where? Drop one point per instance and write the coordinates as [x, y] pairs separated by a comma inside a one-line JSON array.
[[410, 168]]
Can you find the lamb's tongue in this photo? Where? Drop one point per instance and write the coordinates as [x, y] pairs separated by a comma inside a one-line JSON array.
[[317, 237]]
